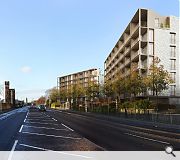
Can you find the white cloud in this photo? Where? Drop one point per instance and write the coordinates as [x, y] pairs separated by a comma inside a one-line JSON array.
[[26, 69]]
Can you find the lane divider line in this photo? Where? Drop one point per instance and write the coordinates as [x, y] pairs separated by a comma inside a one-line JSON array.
[[54, 119], [25, 145], [26, 117], [48, 135], [36, 117], [149, 139], [21, 128], [40, 120], [46, 115], [46, 128], [42, 123], [12, 150], [67, 127], [43, 149]]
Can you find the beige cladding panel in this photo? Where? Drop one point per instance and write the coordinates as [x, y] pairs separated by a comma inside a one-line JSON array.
[[155, 19]]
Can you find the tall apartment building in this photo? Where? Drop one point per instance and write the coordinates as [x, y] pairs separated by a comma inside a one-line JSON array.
[[147, 35], [82, 78]]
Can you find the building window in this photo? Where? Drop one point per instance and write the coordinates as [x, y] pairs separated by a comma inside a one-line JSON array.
[[173, 90], [173, 51], [172, 38], [156, 22], [173, 64]]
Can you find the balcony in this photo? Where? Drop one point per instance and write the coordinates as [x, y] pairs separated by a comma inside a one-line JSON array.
[[121, 66], [144, 51], [144, 37], [121, 56], [142, 65], [134, 28], [115, 63], [144, 23], [135, 55], [127, 61], [127, 49], [134, 42]]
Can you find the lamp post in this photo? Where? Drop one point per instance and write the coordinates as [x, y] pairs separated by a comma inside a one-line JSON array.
[[86, 109], [91, 103]]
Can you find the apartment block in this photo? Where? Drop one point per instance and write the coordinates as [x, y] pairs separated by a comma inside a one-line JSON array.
[[147, 35], [82, 78]]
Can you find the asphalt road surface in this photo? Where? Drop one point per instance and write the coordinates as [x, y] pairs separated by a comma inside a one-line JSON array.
[[27, 129]]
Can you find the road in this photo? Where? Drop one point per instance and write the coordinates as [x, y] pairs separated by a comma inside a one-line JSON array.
[[30, 130]]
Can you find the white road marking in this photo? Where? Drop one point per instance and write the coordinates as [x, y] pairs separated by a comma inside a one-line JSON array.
[[12, 150], [43, 149], [69, 113], [46, 115], [39, 117], [150, 139], [25, 145], [27, 114], [47, 135], [14, 146], [67, 127], [45, 128], [42, 120], [54, 119], [25, 117], [42, 123], [21, 129]]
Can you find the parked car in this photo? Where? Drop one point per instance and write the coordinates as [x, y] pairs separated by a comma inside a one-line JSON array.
[[42, 107]]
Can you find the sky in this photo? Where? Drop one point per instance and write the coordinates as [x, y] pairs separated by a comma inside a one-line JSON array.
[[41, 40]]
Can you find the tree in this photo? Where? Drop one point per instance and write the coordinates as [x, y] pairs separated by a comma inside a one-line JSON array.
[[108, 91], [92, 90], [135, 82], [53, 94], [62, 95], [77, 92], [118, 86], [47, 102], [41, 100], [158, 78]]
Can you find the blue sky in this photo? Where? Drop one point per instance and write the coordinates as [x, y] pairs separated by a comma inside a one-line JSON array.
[[43, 39]]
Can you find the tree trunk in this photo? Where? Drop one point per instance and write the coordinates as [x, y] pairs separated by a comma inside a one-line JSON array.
[[126, 113], [108, 105]]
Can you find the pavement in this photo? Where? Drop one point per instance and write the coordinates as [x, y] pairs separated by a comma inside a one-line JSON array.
[[27, 129]]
